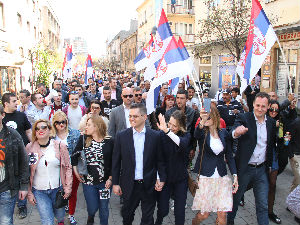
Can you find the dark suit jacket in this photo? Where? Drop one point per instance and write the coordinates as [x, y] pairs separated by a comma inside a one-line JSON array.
[[248, 141], [210, 160], [124, 154]]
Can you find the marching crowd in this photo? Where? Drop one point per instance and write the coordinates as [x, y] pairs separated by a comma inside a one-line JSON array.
[[99, 134]]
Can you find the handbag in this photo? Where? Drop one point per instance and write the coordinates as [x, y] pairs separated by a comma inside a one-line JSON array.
[[193, 184], [60, 201], [82, 166]]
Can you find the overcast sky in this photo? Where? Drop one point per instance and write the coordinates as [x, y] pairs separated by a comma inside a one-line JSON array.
[[95, 20]]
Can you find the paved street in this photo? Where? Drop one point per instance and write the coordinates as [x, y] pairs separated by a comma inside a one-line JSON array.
[[246, 215]]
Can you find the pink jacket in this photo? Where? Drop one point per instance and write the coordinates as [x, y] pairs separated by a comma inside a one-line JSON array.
[[35, 153]]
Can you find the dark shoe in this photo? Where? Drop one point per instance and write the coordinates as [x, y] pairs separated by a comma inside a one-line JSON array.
[[242, 203], [274, 218], [90, 221], [297, 219], [22, 212], [230, 222]]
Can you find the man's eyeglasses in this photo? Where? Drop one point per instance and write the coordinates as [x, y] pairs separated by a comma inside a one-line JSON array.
[[41, 128], [138, 95], [274, 110], [60, 122], [126, 96]]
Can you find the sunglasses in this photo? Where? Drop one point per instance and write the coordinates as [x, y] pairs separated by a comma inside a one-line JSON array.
[[60, 122], [74, 92], [138, 95], [41, 128], [126, 96], [274, 110]]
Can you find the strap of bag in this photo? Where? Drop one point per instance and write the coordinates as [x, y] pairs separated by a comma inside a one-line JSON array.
[[59, 161], [202, 154]]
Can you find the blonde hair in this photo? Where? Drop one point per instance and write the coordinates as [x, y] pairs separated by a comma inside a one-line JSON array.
[[100, 128], [35, 125], [215, 116], [58, 115]]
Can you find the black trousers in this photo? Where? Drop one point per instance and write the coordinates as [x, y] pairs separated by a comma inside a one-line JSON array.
[[139, 195]]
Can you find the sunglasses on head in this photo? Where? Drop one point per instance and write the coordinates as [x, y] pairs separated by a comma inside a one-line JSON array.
[[274, 110], [138, 95], [41, 128], [60, 122], [126, 96]]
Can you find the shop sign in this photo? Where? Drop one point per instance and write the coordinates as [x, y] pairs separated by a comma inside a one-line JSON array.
[[289, 36], [227, 74], [224, 59], [291, 45]]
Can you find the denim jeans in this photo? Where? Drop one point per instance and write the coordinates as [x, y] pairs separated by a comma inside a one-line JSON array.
[[7, 206], [258, 179], [45, 200], [93, 202]]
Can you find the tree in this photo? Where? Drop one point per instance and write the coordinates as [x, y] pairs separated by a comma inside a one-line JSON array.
[[226, 25]]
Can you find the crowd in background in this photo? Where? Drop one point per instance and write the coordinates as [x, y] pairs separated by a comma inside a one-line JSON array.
[[99, 134]]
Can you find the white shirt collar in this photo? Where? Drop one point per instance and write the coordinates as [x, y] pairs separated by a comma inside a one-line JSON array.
[[135, 131], [257, 119], [125, 107]]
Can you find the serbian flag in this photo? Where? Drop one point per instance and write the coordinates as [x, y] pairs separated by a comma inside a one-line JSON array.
[[67, 66], [141, 61], [261, 38], [172, 65], [154, 54], [89, 72]]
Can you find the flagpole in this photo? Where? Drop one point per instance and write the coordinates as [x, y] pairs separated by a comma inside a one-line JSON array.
[[285, 63], [196, 87]]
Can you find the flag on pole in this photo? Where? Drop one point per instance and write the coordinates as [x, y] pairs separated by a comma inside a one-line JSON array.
[[171, 65], [67, 65], [261, 38], [89, 69], [149, 56]]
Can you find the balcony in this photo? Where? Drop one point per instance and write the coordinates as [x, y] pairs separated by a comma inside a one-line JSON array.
[[186, 38], [181, 9]]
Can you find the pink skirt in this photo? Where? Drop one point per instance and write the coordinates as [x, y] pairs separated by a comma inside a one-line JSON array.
[[213, 195]]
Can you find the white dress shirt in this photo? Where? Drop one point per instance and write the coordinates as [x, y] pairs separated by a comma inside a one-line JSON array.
[[259, 154], [139, 142], [126, 110]]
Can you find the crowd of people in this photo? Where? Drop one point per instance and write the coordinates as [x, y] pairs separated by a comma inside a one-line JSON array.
[[99, 134]]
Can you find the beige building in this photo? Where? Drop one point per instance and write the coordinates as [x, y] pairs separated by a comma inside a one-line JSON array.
[[181, 20], [128, 49], [23, 27]]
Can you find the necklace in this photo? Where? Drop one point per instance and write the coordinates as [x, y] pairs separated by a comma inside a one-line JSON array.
[[46, 145]]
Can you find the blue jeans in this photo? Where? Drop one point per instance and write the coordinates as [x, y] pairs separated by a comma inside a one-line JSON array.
[[22, 203], [93, 202], [45, 200], [258, 179], [7, 206]]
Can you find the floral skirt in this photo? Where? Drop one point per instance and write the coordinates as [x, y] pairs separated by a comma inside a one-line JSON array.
[[213, 195]]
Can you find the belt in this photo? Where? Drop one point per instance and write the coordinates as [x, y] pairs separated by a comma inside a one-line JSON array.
[[139, 181], [256, 165]]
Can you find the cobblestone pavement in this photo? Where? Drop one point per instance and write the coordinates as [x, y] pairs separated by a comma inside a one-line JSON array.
[[246, 214]]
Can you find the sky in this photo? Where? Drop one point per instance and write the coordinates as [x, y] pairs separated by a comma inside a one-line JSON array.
[[95, 20]]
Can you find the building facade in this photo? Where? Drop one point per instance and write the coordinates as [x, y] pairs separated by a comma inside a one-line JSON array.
[[23, 27], [128, 49]]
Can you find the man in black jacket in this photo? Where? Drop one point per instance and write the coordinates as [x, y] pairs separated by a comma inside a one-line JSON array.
[[138, 150], [14, 171], [257, 135]]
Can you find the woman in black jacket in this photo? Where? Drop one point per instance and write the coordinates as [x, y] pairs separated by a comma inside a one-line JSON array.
[[176, 141], [215, 187], [95, 155]]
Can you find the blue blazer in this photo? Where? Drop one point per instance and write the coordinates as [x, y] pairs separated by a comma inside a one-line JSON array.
[[210, 160], [124, 157]]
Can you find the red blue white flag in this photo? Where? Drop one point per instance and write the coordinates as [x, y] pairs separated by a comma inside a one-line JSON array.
[[261, 38], [89, 72], [67, 65]]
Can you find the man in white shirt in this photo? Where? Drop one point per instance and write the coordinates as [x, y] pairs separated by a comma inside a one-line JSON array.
[[192, 101], [26, 104], [41, 109]]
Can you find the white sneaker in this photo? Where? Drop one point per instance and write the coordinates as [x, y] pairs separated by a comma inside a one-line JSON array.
[[172, 205], [72, 220]]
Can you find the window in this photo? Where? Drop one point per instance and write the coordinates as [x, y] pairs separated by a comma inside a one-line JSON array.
[[1, 16], [185, 29], [28, 26], [176, 28], [33, 5], [19, 20], [34, 33], [191, 29], [21, 51]]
